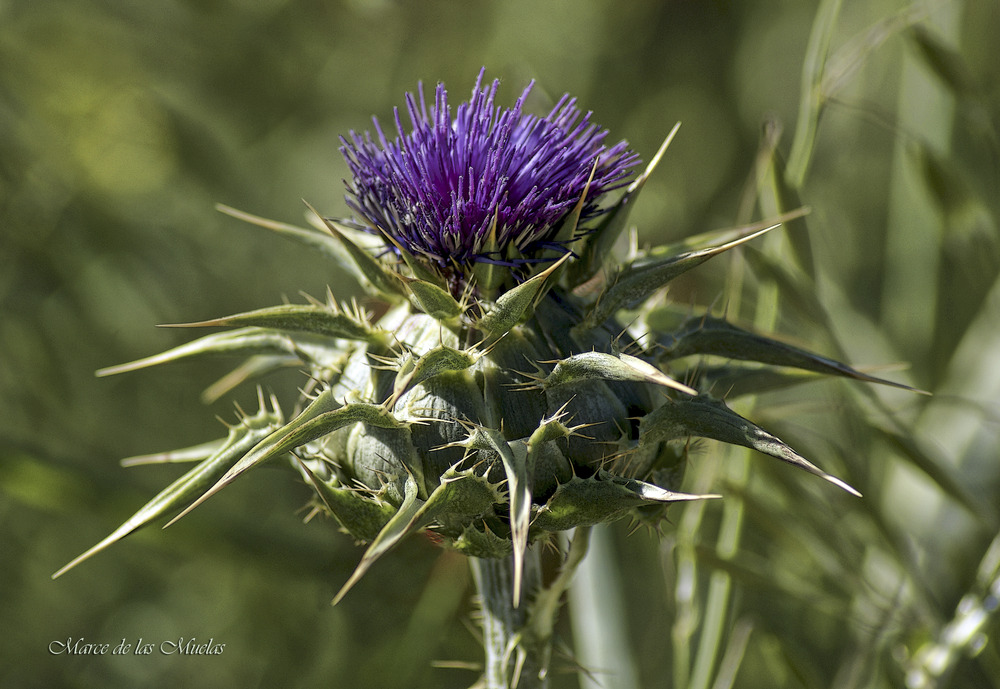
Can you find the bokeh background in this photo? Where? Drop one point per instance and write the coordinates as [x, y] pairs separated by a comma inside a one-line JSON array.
[[123, 123]]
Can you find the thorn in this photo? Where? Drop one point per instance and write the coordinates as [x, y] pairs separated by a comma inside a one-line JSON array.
[[558, 413], [654, 161], [843, 485]]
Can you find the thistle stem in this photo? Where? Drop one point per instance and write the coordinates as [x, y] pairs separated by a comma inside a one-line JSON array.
[[515, 657]]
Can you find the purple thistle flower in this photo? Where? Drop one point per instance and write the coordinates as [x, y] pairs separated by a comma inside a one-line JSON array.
[[438, 190]]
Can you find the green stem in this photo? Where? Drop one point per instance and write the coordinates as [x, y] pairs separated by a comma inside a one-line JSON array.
[[812, 98], [599, 617], [514, 656]]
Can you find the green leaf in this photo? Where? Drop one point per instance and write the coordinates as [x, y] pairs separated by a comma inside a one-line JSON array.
[[378, 276], [569, 224], [398, 527], [811, 96], [253, 367], [195, 453], [325, 243], [317, 420], [639, 278], [777, 196], [601, 242], [545, 463], [705, 417], [740, 380], [943, 181], [707, 335], [244, 341], [515, 464], [308, 318], [461, 496], [480, 541], [241, 438], [549, 430], [936, 471]]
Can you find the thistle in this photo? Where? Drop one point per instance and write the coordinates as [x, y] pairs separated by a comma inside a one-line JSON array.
[[498, 398]]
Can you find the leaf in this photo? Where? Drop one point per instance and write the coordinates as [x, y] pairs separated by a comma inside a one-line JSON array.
[[315, 421], [944, 61], [241, 438], [705, 417], [489, 276], [515, 464], [739, 380], [639, 278], [460, 498], [325, 243], [602, 240], [551, 429], [812, 99], [378, 276], [715, 336], [936, 472], [477, 540], [460, 494], [246, 341], [308, 318], [943, 181], [253, 367], [401, 525], [855, 53], [781, 199], [567, 228], [195, 453]]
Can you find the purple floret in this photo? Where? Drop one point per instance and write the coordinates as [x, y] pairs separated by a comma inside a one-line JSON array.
[[438, 189]]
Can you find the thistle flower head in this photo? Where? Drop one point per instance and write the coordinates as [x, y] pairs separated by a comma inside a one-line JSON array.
[[489, 184], [521, 408]]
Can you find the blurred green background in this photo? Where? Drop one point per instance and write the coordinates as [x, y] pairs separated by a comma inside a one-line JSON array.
[[123, 123]]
